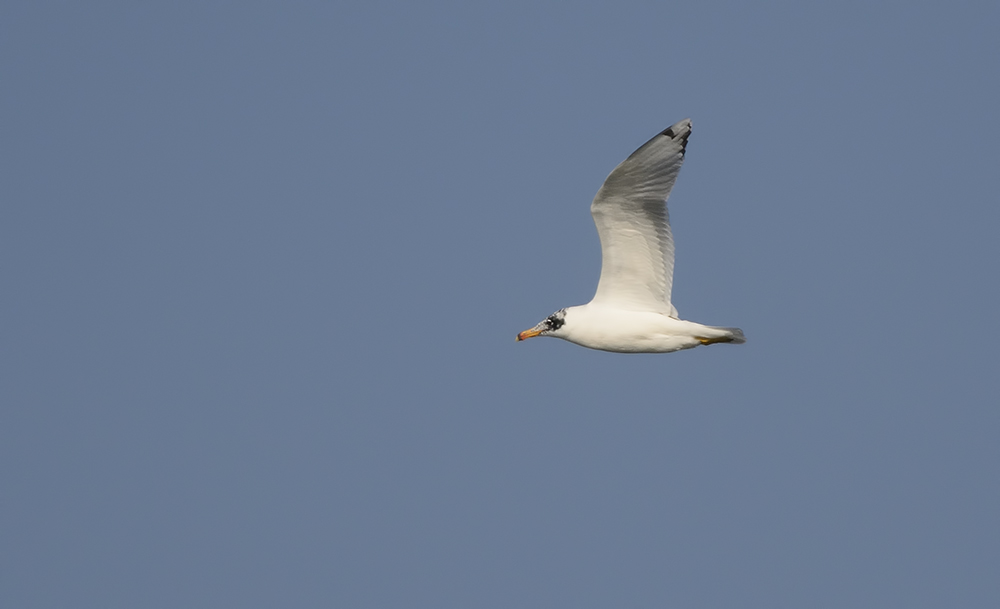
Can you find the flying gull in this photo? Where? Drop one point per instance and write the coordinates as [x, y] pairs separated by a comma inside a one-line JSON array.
[[631, 311]]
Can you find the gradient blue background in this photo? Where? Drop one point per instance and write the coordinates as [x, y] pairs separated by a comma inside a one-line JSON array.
[[263, 265]]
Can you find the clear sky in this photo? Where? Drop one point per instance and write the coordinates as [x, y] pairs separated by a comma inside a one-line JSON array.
[[263, 265]]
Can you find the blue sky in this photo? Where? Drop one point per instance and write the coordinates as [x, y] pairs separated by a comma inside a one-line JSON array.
[[264, 265]]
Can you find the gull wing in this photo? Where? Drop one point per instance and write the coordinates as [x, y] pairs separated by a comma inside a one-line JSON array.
[[630, 211]]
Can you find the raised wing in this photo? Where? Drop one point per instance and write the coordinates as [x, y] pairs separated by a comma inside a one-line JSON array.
[[630, 212]]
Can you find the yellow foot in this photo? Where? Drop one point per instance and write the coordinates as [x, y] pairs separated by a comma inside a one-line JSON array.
[[711, 341]]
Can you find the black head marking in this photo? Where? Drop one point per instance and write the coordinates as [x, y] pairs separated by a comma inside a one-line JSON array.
[[555, 321]]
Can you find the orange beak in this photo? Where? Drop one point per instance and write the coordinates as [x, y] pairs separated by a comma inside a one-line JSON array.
[[528, 334]]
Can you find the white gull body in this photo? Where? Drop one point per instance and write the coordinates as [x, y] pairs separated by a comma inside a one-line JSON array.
[[631, 311]]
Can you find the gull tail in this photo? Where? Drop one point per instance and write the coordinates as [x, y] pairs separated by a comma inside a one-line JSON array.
[[736, 336], [732, 336]]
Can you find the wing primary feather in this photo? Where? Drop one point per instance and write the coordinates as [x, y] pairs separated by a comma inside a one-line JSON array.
[[669, 132]]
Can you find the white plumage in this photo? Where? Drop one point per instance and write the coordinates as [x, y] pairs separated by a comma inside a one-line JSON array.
[[631, 311]]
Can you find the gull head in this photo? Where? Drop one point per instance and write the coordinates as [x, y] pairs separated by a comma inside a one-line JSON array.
[[550, 326]]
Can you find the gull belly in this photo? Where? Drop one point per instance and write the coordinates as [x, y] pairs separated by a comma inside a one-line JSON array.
[[626, 331]]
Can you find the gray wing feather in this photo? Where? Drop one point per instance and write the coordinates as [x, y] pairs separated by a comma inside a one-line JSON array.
[[630, 212]]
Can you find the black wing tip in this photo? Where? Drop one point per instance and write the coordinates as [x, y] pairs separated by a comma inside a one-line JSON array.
[[681, 130]]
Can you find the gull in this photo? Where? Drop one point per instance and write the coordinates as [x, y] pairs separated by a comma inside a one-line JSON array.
[[631, 311]]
